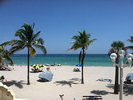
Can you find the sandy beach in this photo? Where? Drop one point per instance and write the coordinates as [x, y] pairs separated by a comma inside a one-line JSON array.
[[64, 82]]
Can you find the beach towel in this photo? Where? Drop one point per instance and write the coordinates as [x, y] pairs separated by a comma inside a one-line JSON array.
[[46, 75], [105, 80]]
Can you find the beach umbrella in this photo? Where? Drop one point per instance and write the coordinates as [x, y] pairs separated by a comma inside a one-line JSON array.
[[42, 65], [46, 75], [37, 66], [34, 66], [78, 65]]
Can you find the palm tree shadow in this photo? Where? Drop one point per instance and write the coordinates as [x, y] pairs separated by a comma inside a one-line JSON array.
[[127, 88], [34, 71], [63, 82], [100, 92], [110, 86], [18, 84]]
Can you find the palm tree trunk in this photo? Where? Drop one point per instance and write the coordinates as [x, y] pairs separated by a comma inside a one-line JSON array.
[[116, 76], [1, 61], [80, 57], [82, 82], [28, 81]]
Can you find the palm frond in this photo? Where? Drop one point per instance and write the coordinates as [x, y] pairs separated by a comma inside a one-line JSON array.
[[9, 42], [18, 42], [5, 54], [75, 46], [35, 36], [8, 59], [76, 38], [38, 41], [1, 48], [130, 47], [131, 39], [16, 48], [42, 48], [20, 34], [33, 26], [28, 31], [32, 51], [90, 41], [88, 35]]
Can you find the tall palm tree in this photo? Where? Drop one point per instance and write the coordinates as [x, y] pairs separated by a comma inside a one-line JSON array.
[[116, 46], [4, 54], [27, 40], [81, 41]]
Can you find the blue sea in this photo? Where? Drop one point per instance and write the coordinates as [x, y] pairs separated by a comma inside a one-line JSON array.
[[63, 59]]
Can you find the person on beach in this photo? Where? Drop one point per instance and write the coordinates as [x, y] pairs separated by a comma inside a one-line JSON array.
[[48, 69], [54, 64], [2, 78]]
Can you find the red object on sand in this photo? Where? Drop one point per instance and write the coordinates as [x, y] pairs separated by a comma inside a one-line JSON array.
[[47, 68]]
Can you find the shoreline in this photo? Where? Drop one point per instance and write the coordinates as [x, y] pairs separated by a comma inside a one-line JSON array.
[[60, 66]]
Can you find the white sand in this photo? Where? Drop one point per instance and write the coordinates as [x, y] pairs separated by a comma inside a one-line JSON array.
[[61, 83]]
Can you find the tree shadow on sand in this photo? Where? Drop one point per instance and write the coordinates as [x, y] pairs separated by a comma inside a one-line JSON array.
[[14, 82], [127, 88], [35, 71], [63, 82], [100, 92]]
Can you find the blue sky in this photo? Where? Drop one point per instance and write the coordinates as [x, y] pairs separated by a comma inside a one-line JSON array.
[[59, 20]]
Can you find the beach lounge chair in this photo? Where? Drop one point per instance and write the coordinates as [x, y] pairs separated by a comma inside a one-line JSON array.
[[5, 67], [37, 68], [76, 70]]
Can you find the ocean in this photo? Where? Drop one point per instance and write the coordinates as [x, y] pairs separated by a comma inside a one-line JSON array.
[[63, 59]]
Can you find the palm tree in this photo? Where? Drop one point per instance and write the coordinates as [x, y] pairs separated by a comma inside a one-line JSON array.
[[4, 54], [81, 41], [116, 46], [27, 40]]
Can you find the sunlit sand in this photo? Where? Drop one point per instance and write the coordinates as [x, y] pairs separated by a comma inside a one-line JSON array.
[[66, 82]]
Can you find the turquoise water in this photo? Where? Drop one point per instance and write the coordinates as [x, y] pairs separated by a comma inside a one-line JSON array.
[[63, 59]]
